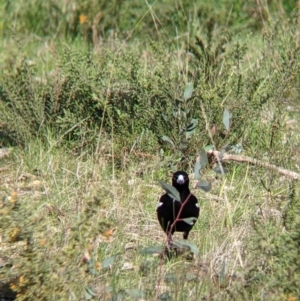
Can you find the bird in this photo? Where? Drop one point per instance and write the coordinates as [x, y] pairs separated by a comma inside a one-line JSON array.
[[169, 208]]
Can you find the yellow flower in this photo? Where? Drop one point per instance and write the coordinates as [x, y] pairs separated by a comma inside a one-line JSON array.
[[14, 194], [13, 287], [108, 233], [14, 234], [98, 266], [291, 298], [42, 241], [82, 18], [13, 197]]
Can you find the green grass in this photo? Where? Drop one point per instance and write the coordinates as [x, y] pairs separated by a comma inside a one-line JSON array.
[[84, 121]]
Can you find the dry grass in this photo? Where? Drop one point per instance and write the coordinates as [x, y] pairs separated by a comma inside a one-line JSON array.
[[84, 212]]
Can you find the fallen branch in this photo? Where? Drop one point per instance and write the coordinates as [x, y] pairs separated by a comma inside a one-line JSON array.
[[238, 158]]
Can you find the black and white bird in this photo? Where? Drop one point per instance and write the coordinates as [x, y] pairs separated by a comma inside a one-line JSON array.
[[168, 208]]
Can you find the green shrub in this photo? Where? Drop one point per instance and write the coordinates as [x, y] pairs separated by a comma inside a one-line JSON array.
[[115, 92], [274, 267]]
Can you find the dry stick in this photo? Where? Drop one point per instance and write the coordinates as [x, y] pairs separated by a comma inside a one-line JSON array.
[[169, 235], [238, 158], [228, 157]]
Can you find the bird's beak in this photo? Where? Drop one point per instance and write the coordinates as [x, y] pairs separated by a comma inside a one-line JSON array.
[[180, 179]]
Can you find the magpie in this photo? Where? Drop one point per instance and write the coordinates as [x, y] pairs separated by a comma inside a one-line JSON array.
[[169, 208]]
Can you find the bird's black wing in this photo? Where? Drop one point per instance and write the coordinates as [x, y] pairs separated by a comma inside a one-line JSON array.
[[167, 210]]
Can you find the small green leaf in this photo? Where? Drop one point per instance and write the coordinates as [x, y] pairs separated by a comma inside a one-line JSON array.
[[188, 91], [182, 113], [91, 267], [135, 293], [205, 186], [222, 153], [165, 296], [120, 295], [189, 134], [178, 101], [165, 117], [203, 158], [189, 220], [192, 125], [201, 163], [109, 289], [209, 147], [92, 271], [190, 276], [171, 191], [167, 139], [87, 296], [224, 150], [107, 262], [183, 145], [152, 250], [89, 293], [197, 168], [222, 274], [170, 277], [191, 128], [227, 119], [182, 243], [220, 170], [237, 149]]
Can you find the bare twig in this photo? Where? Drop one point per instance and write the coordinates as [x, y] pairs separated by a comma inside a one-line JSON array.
[[169, 237], [239, 158]]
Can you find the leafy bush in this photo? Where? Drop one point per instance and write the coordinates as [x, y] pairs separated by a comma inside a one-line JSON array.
[[117, 94], [274, 267], [22, 105]]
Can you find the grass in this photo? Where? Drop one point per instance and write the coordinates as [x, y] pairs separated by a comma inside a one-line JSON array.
[[82, 214], [83, 121]]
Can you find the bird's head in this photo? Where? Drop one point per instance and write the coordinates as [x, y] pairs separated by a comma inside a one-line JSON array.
[[180, 180]]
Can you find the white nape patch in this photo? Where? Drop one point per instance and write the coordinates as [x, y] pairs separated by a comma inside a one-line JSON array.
[[180, 179], [197, 205], [159, 204]]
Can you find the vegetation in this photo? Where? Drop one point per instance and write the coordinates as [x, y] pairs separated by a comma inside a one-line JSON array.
[[100, 100]]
